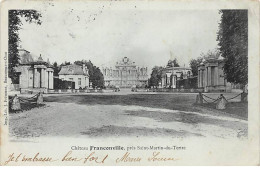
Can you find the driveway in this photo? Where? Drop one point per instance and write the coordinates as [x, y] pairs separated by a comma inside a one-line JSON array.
[[105, 115]]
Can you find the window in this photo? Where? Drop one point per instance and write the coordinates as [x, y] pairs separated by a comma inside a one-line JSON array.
[[79, 81]]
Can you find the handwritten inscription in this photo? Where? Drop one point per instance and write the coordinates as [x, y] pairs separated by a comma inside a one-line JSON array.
[[156, 156], [25, 158], [127, 158], [91, 157]]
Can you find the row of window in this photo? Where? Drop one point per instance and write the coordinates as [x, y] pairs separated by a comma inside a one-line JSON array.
[[72, 79], [123, 72]]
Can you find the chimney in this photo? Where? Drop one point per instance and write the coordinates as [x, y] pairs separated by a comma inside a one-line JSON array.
[[84, 67]]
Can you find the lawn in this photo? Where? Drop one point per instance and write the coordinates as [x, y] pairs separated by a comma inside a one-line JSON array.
[[183, 102]]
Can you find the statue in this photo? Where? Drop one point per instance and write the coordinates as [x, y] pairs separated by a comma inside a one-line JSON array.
[[16, 103]]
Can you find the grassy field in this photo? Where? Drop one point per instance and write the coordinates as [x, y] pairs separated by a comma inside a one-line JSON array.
[[183, 102]]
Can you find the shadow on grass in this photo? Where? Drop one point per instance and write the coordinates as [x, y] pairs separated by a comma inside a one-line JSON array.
[[183, 102], [172, 102], [235, 108], [182, 117], [111, 131]]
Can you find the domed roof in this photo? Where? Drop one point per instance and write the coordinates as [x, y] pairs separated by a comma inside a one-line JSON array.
[[40, 58]]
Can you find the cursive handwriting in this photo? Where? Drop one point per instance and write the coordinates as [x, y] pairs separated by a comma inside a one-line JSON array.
[[156, 157], [89, 158], [126, 158], [68, 157], [92, 157], [25, 158]]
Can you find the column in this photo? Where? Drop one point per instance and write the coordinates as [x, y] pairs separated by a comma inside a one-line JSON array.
[[51, 80], [209, 76], [216, 75], [35, 78], [198, 78], [174, 82], [42, 78], [87, 82], [48, 79], [46, 82], [169, 80], [206, 77], [202, 78]]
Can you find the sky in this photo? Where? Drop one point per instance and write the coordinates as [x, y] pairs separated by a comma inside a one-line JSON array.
[[104, 34]]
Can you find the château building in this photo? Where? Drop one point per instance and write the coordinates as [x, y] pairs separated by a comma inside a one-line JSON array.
[[211, 75], [75, 73], [171, 74], [35, 74], [125, 74]]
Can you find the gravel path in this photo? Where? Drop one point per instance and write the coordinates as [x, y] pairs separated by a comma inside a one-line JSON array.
[[102, 120]]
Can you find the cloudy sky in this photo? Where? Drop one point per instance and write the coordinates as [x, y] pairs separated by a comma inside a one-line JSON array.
[[104, 33]]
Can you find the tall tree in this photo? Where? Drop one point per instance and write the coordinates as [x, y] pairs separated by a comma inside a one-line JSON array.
[[56, 69], [14, 25], [233, 42], [156, 76], [194, 63], [173, 63], [211, 54]]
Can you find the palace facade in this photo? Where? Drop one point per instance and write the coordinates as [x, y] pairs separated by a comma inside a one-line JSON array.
[[125, 74]]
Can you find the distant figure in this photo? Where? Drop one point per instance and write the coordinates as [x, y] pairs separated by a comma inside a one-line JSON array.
[[221, 103], [16, 103], [117, 88], [40, 98], [133, 88]]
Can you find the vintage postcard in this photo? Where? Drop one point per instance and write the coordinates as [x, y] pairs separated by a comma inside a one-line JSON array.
[[167, 82]]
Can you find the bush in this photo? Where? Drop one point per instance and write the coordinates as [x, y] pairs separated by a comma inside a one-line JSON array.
[[190, 83]]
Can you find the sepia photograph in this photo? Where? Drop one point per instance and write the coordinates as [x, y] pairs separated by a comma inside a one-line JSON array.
[[130, 79], [103, 70]]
